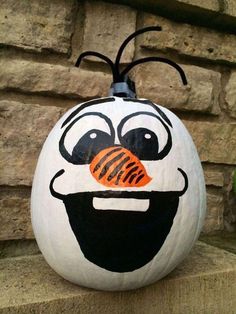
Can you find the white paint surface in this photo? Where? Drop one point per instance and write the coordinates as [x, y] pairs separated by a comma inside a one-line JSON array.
[[50, 221]]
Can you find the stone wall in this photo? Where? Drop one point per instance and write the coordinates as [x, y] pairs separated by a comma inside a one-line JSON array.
[[40, 42]]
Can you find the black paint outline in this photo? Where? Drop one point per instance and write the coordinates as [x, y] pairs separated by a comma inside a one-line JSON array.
[[148, 102], [85, 105]]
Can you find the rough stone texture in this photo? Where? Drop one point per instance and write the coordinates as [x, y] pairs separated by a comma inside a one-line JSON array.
[[216, 142], [208, 274], [230, 96], [223, 240], [37, 25], [212, 5], [229, 7], [162, 84], [15, 217], [219, 14], [230, 202], [218, 10], [18, 248], [223, 7], [189, 40], [106, 27], [23, 129], [215, 210], [48, 79], [214, 178]]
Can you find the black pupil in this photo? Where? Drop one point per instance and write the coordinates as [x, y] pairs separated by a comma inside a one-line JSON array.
[[89, 145], [141, 142]]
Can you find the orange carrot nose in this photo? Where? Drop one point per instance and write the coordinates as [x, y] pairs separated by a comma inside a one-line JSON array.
[[118, 167]]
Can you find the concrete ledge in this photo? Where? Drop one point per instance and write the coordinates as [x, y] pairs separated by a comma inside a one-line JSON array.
[[203, 283]]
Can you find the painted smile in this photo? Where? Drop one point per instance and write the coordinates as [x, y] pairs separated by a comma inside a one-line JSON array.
[[120, 240]]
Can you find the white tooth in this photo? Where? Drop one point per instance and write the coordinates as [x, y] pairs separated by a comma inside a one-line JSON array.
[[130, 204]]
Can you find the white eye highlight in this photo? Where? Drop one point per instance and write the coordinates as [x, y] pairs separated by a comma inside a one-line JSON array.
[[93, 135], [147, 136]]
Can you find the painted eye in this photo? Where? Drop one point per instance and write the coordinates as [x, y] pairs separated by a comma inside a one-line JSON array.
[[142, 142], [145, 135], [79, 143], [89, 145]]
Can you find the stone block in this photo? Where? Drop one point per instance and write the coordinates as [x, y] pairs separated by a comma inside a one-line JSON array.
[[106, 27], [189, 40], [216, 142], [20, 247], [215, 209], [162, 84], [226, 7], [212, 5], [15, 217], [214, 178], [230, 95], [203, 283], [37, 25], [49, 79], [24, 128]]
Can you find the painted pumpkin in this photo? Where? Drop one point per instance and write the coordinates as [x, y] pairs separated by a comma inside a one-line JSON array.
[[118, 196]]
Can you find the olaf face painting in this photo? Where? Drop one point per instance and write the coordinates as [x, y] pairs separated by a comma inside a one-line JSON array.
[[118, 196]]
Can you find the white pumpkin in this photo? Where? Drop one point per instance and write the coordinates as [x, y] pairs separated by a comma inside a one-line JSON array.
[[118, 196]]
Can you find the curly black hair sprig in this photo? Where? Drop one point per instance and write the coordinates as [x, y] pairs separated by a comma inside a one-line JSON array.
[[122, 86]]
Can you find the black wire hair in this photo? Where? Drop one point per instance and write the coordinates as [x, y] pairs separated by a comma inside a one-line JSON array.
[[121, 76]]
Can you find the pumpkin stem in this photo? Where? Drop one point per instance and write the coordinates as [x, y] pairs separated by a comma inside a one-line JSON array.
[[124, 88]]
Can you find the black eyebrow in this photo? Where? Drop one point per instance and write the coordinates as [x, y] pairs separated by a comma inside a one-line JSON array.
[[88, 103], [148, 102]]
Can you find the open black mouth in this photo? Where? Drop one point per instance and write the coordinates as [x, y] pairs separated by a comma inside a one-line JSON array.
[[117, 240]]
